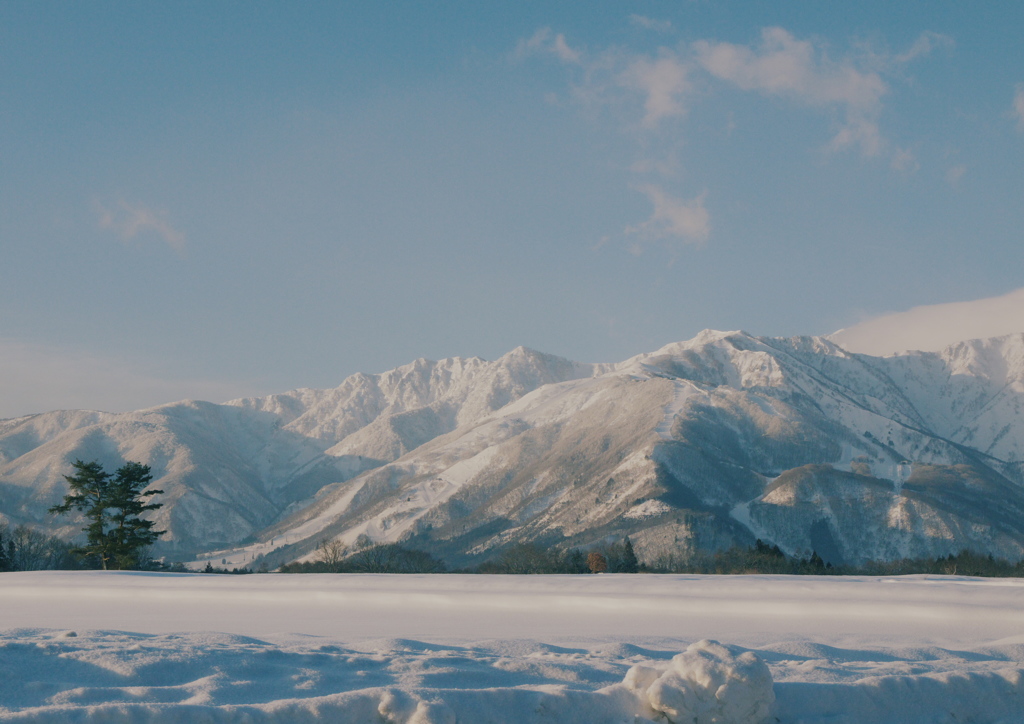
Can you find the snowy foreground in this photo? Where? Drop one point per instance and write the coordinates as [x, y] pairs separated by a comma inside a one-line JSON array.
[[127, 647]]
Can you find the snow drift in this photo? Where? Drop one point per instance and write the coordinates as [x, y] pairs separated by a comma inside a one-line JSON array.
[[106, 647]]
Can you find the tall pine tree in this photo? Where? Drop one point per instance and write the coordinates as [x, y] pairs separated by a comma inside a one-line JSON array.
[[89, 494], [115, 535], [130, 535], [628, 562]]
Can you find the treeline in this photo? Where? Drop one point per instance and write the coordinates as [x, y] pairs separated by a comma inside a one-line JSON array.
[[619, 557], [965, 563], [524, 558], [25, 549], [760, 558], [769, 559], [334, 557]]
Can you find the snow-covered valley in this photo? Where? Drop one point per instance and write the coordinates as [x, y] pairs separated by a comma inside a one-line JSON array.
[[135, 647]]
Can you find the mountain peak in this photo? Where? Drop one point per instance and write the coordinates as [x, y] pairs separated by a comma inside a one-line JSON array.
[[522, 352]]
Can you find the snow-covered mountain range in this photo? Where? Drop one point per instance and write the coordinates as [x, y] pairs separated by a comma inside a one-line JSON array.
[[702, 444]]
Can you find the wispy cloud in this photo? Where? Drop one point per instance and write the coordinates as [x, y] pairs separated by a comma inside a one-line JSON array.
[[782, 65], [662, 82], [131, 221], [544, 41], [651, 95], [650, 86], [926, 42], [652, 91], [1018, 105], [904, 161], [779, 64], [672, 218]]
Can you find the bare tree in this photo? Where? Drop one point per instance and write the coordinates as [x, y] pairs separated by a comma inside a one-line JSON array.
[[331, 553], [393, 558], [25, 549]]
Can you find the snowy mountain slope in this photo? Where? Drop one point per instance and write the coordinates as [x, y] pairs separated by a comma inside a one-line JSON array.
[[394, 412], [228, 471], [225, 472], [698, 445], [695, 446]]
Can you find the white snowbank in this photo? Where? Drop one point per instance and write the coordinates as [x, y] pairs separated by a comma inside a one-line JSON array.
[[707, 684], [122, 647]]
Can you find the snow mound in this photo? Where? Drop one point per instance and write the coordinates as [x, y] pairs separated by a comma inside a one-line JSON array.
[[707, 684]]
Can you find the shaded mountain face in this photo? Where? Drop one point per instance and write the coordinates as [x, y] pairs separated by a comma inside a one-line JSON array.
[[700, 445]]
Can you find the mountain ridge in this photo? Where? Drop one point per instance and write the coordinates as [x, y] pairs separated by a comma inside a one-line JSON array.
[[682, 449]]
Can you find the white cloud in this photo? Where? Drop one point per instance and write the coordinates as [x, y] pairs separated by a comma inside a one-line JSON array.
[[779, 64], [642, 21], [544, 41], [861, 132], [933, 327], [614, 78], [647, 92], [563, 51], [131, 221], [534, 44], [662, 82], [904, 161], [39, 377], [687, 220], [782, 65], [1018, 105], [926, 42]]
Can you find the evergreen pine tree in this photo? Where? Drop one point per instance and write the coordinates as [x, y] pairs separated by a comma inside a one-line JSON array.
[[130, 535], [627, 561], [90, 493], [115, 534], [576, 562]]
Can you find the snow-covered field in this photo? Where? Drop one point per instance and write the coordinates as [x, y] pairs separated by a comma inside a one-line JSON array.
[[106, 647]]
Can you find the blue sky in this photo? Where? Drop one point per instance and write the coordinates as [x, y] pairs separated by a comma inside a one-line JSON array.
[[216, 199]]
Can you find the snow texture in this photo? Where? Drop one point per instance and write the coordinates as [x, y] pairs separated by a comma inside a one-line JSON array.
[[707, 684], [156, 648]]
